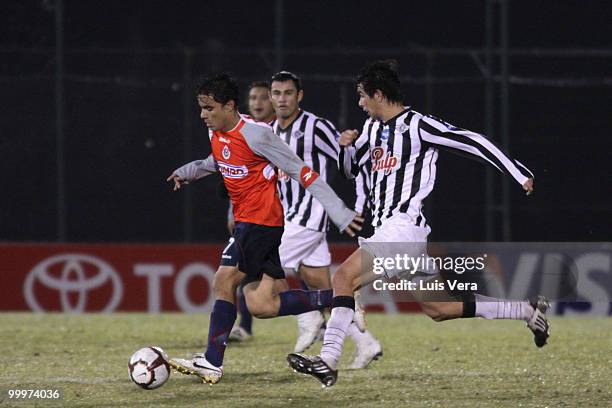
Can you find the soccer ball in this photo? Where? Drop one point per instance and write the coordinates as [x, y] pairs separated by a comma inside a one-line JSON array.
[[148, 367]]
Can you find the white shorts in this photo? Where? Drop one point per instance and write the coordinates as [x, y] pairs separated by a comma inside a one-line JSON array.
[[301, 245], [399, 236]]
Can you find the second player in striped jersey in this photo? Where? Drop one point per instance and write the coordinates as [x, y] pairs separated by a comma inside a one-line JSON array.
[[314, 141], [304, 246]]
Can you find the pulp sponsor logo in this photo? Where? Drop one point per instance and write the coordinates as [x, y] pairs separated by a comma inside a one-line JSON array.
[[231, 171], [383, 162]]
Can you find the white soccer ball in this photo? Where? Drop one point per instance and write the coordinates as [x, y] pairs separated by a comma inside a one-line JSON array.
[[148, 367]]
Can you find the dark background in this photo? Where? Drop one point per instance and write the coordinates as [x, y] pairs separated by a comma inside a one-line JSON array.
[[130, 117]]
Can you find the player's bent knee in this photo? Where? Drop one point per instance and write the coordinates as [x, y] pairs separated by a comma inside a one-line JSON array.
[[258, 307], [340, 277], [345, 279], [264, 314], [261, 310]]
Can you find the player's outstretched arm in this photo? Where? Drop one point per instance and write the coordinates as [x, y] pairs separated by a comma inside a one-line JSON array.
[[444, 135], [192, 171], [266, 144]]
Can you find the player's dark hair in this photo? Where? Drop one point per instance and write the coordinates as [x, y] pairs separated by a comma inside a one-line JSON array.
[[258, 84], [285, 76], [221, 87], [383, 76]]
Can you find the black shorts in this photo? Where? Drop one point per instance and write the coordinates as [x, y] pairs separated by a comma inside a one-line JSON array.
[[254, 249]]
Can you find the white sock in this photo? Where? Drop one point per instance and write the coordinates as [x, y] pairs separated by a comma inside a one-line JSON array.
[[358, 337], [337, 328], [493, 308]]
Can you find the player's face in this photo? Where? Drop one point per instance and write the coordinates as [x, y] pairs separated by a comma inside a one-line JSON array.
[[215, 115], [260, 105], [285, 98], [369, 104]]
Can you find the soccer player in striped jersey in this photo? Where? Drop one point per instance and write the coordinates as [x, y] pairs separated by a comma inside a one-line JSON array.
[[401, 146], [304, 249], [246, 154], [260, 109]]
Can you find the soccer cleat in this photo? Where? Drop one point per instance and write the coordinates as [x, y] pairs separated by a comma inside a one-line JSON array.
[[239, 335], [359, 316], [538, 323], [309, 325], [313, 365], [198, 366], [365, 354]]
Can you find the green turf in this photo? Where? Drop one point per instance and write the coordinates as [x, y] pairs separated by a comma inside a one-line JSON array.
[[464, 363]]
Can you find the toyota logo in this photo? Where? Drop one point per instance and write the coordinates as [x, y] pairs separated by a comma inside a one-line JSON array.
[[74, 276]]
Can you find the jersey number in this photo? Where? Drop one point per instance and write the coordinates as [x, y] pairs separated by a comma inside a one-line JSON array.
[[231, 242]]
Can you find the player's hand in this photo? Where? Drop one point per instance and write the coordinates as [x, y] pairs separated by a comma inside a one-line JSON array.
[[230, 226], [528, 186], [178, 182], [347, 137], [355, 226]]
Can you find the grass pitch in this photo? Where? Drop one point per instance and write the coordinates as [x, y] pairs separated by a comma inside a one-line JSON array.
[[462, 363]]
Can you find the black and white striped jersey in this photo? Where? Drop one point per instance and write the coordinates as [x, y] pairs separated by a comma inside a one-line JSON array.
[[314, 140], [362, 190], [402, 154]]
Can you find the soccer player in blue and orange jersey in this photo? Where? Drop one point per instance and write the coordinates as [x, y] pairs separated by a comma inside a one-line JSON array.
[[260, 109], [247, 154]]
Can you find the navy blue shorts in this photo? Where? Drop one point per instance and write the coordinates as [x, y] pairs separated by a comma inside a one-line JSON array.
[[254, 249]]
